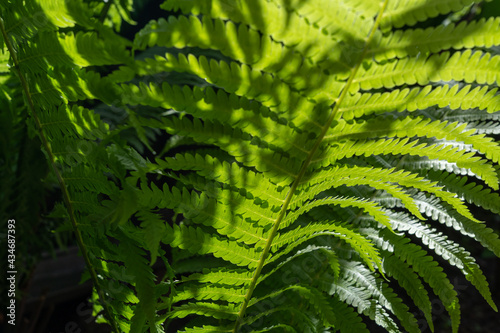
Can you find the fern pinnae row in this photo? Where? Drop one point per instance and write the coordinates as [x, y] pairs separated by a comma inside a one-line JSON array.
[[202, 210], [425, 266], [450, 251], [362, 277], [301, 320], [302, 172], [362, 245], [454, 97], [409, 280], [313, 295], [395, 146], [451, 67], [408, 127], [64, 189], [366, 206], [234, 278], [399, 14], [400, 44], [302, 252], [348, 292]]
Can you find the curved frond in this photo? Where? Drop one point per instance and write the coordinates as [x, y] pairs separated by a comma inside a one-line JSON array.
[[263, 165]]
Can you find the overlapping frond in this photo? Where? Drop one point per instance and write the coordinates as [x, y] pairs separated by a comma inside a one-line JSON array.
[[303, 147]]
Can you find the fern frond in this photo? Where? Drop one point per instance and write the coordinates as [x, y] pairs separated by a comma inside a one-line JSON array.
[[91, 49], [309, 249], [441, 212], [207, 309], [316, 299], [430, 271], [453, 97], [63, 14], [290, 35], [408, 127], [434, 68], [207, 329], [403, 147], [207, 211], [224, 276], [348, 321], [296, 152], [398, 15], [368, 207], [380, 291], [360, 298], [198, 241], [403, 43], [294, 238], [145, 310], [449, 251], [229, 174], [302, 322], [208, 104], [407, 279], [210, 293], [276, 166]]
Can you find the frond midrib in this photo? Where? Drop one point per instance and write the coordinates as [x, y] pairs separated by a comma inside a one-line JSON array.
[[302, 172]]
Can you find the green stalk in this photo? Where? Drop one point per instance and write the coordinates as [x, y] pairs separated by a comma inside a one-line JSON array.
[[105, 10]]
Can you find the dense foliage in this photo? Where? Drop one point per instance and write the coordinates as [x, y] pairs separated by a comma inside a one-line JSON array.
[[263, 165]]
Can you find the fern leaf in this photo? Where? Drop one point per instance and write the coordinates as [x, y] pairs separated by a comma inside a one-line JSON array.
[[359, 298], [205, 309], [63, 14], [287, 141], [440, 212], [331, 257], [226, 277], [405, 146], [438, 67], [430, 271], [223, 172], [450, 251], [398, 14], [414, 99], [88, 49], [411, 283], [301, 322], [368, 207], [210, 293], [299, 235], [154, 232], [380, 291], [145, 309], [347, 319], [313, 296], [402, 43], [207, 329], [198, 241]]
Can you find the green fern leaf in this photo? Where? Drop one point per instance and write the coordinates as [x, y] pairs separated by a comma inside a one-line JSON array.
[[297, 152]]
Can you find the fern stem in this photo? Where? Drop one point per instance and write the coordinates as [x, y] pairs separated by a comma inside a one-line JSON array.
[[60, 179], [105, 10], [305, 165]]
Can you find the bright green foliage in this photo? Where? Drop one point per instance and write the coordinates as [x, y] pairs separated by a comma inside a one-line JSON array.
[[318, 152]]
